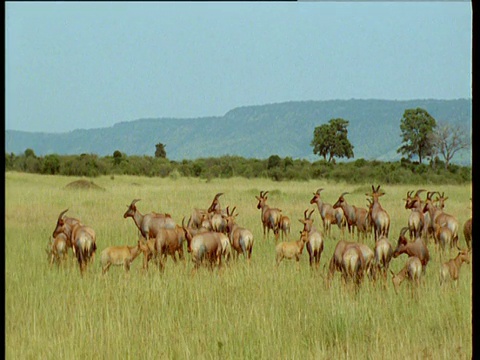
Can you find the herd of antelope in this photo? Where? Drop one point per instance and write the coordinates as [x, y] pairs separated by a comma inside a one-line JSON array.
[[213, 235]]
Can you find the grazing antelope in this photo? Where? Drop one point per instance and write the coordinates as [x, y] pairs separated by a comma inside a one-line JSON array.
[[329, 215], [241, 239], [412, 271], [451, 268], [119, 255], [416, 248], [352, 265], [355, 216], [148, 224], [58, 249], [314, 243], [438, 216], [291, 249], [270, 216], [380, 218]]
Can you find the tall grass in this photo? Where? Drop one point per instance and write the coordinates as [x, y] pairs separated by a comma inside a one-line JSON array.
[[242, 311]]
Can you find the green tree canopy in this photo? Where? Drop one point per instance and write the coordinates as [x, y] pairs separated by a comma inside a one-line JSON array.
[[332, 140], [160, 151], [417, 127]]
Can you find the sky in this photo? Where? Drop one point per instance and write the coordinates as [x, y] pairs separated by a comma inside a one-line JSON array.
[[83, 65]]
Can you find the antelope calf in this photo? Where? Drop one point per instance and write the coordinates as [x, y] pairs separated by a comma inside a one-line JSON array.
[[412, 271], [291, 249], [451, 268], [119, 255], [58, 249]]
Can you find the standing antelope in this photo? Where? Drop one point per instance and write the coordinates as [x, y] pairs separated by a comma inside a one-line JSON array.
[[438, 216], [336, 260], [270, 216], [148, 224], [416, 248], [285, 226], [241, 239], [119, 255], [451, 268], [65, 226], [416, 220], [291, 249], [84, 241], [314, 243], [380, 218], [383, 255], [467, 233], [217, 219], [355, 216], [329, 215]]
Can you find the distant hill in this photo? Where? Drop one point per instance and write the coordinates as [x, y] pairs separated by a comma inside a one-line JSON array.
[[284, 129]]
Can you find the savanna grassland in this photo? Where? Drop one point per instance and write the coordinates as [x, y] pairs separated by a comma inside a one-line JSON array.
[[254, 311]]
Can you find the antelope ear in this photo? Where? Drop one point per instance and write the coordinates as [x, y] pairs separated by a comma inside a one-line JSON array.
[[303, 222]]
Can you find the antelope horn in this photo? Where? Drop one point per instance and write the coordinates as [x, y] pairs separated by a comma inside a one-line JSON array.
[[373, 188], [265, 193], [311, 212], [319, 190], [218, 195], [305, 214], [345, 193], [409, 193], [62, 213], [419, 191], [228, 213], [134, 201], [403, 231], [183, 222], [378, 188]]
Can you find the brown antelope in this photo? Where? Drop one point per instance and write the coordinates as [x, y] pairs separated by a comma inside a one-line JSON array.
[[380, 218], [416, 219], [241, 239], [169, 242], [438, 216], [352, 265], [84, 241], [148, 224], [207, 245], [336, 260], [451, 268], [285, 226], [355, 216], [329, 215], [270, 216], [65, 226], [442, 236], [416, 248], [314, 242], [412, 271], [290, 249], [119, 255], [383, 256], [217, 218], [58, 249]]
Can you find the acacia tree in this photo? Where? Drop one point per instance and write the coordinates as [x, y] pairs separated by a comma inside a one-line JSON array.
[[160, 151], [332, 140], [448, 139], [417, 127]]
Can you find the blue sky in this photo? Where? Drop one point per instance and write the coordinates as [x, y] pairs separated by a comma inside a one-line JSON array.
[[90, 65]]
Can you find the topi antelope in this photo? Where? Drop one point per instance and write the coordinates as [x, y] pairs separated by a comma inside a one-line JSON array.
[[355, 216], [416, 220], [438, 216], [65, 226], [270, 216], [380, 218], [451, 268], [329, 215], [314, 242], [416, 248], [241, 239], [412, 271]]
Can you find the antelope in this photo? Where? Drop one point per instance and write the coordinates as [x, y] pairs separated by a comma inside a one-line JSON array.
[[412, 271], [451, 268], [285, 226], [119, 255], [438, 216], [467, 233], [208, 245], [84, 241], [314, 243], [352, 264], [329, 215], [380, 218], [383, 255], [442, 235], [58, 249], [270, 216], [199, 216], [416, 220], [65, 225], [416, 248], [148, 224], [169, 242], [217, 220], [291, 249], [241, 239], [355, 216], [336, 260]]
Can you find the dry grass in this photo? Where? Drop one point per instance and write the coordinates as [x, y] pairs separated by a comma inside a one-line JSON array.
[[244, 311]]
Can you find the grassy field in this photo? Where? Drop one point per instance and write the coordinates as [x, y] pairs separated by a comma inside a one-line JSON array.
[[254, 311]]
